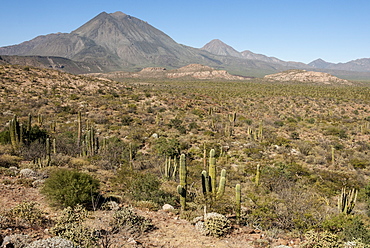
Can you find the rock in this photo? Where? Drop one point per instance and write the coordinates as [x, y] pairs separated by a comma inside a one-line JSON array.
[[167, 207], [155, 136], [38, 183], [15, 241], [27, 173], [55, 242], [304, 76], [111, 205]]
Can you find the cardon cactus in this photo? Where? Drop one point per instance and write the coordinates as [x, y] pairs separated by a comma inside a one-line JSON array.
[[237, 202], [212, 170], [181, 189], [347, 200], [209, 183]]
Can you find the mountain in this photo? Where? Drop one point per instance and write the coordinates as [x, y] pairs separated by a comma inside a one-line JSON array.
[[360, 65], [115, 41], [120, 42], [320, 63], [219, 48]]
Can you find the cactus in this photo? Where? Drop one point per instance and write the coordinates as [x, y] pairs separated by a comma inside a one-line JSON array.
[[258, 174], [237, 202], [170, 169], [347, 200], [54, 147], [14, 131], [221, 185], [332, 156], [232, 117], [209, 183], [79, 129], [212, 170], [48, 152], [181, 189]]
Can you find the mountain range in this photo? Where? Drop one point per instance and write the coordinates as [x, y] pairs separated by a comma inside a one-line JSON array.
[[120, 42]]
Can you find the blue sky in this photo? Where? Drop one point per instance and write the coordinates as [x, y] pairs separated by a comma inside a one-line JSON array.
[[291, 30]]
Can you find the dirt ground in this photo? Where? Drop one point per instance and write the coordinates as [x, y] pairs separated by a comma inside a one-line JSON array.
[[170, 231]]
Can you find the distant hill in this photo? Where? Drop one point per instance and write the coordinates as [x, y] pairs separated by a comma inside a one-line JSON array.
[[361, 65], [306, 77], [195, 71], [49, 62]]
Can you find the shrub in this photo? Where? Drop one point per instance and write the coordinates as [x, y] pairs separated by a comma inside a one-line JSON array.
[[167, 147], [26, 213], [70, 226], [55, 242], [67, 188], [214, 224], [321, 239], [125, 220], [143, 187], [9, 160]]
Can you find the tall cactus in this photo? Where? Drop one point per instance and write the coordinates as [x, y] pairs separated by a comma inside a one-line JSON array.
[[14, 131], [212, 170], [209, 182], [48, 152], [170, 168], [181, 189], [79, 129], [221, 185], [347, 200], [258, 175], [237, 202]]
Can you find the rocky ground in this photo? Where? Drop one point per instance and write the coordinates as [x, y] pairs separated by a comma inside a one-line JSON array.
[[169, 229]]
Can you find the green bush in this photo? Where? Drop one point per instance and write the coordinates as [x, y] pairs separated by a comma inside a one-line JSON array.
[[67, 188], [167, 147], [141, 186]]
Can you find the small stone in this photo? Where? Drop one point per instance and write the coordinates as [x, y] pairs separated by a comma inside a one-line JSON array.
[[167, 207]]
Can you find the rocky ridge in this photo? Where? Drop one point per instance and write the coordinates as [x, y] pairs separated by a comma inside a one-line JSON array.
[[307, 77], [196, 71]]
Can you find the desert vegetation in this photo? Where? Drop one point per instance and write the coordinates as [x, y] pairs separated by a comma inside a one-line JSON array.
[[235, 158]]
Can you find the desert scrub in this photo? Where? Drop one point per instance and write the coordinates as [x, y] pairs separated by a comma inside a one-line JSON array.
[[321, 239], [128, 222], [214, 224], [26, 213], [70, 226], [67, 188], [55, 242]]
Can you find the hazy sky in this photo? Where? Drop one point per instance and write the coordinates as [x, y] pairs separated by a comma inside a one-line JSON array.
[[291, 30]]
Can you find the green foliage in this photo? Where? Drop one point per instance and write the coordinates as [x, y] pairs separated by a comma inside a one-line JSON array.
[[167, 147], [5, 137], [68, 188], [141, 186], [356, 230]]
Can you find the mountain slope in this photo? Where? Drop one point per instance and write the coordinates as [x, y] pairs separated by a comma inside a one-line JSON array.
[[117, 41]]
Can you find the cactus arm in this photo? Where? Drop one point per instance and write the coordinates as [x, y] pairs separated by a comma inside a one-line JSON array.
[[237, 202], [182, 187]]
